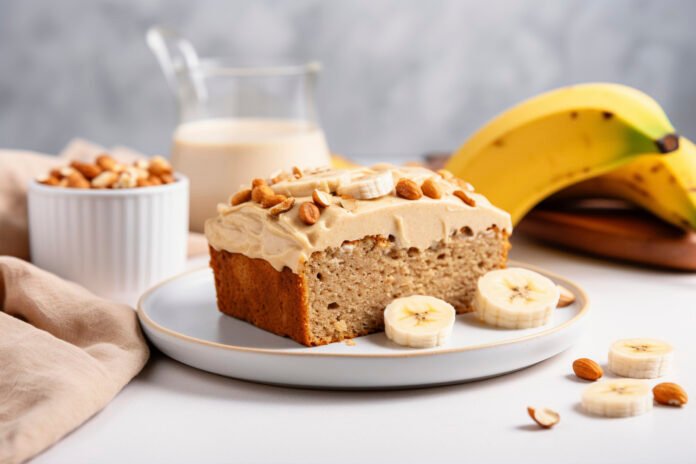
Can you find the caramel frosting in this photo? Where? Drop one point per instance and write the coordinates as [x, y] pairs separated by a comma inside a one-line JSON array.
[[284, 240]]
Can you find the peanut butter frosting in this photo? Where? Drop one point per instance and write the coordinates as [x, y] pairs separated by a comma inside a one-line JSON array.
[[287, 240]]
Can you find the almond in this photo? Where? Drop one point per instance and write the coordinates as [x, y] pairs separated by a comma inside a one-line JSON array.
[[465, 198], [309, 213], [282, 207], [545, 417], [159, 166], [297, 172], [106, 162], [66, 171], [431, 189], [567, 297], [139, 173], [272, 200], [408, 189], [105, 180], [259, 192], [257, 183], [143, 182], [154, 180], [587, 369], [118, 168], [166, 178], [77, 180], [321, 198], [48, 180], [445, 174], [89, 171], [240, 197], [670, 394]]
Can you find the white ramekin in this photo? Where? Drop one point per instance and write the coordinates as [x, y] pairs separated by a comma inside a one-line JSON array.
[[116, 243]]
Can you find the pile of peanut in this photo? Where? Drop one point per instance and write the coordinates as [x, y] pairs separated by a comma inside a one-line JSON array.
[[107, 173], [276, 204], [409, 190]]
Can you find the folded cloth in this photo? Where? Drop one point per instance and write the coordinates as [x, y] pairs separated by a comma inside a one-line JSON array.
[[17, 168], [64, 354]]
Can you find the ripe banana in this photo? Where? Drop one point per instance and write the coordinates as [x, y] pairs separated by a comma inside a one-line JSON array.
[[560, 138], [368, 186], [662, 184], [515, 298], [617, 398], [640, 358], [305, 185], [418, 321]]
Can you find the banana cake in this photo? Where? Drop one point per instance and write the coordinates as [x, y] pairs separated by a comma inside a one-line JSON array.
[[316, 256]]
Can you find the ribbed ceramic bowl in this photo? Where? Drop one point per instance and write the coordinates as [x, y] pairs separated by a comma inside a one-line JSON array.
[[116, 243]]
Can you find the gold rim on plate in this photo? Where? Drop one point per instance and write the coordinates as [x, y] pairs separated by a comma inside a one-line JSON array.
[[576, 289]]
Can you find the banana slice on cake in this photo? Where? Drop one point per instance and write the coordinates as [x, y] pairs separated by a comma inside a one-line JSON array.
[[515, 298], [640, 358], [304, 186], [618, 398], [419, 321], [368, 186]]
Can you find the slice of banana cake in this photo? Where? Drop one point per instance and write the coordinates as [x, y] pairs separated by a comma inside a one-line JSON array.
[[316, 256]]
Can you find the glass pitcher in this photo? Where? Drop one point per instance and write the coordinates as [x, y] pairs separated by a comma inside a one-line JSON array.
[[236, 123]]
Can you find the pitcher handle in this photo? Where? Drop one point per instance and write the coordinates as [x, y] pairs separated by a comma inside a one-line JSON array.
[[173, 51]]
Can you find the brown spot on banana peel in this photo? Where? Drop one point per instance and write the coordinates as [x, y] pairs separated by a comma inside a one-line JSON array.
[[498, 143], [668, 143], [639, 190], [672, 179], [638, 178], [573, 115], [587, 140], [607, 114], [655, 168]]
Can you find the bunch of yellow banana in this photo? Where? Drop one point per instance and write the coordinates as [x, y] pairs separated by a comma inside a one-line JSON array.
[[601, 139], [663, 184]]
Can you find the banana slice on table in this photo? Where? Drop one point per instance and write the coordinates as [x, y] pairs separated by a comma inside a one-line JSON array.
[[640, 358], [305, 185], [369, 186], [418, 321], [515, 298], [618, 398]]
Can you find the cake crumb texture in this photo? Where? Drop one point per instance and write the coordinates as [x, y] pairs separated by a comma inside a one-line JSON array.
[[341, 292]]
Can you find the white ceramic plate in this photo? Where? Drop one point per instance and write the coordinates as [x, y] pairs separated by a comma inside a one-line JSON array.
[[180, 317]]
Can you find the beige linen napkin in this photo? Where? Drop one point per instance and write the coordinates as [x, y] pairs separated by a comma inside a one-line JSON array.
[[17, 168], [64, 354]]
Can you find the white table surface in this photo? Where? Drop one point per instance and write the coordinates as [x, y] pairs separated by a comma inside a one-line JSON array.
[[172, 413]]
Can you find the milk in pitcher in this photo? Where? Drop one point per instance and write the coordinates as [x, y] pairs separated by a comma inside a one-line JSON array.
[[220, 155]]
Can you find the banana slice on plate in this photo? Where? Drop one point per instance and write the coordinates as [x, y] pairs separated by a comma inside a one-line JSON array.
[[618, 398], [515, 298], [368, 186], [640, 358], [305, 185], [418, 321]]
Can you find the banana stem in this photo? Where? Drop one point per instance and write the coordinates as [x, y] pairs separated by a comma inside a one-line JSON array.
[[668, 143]]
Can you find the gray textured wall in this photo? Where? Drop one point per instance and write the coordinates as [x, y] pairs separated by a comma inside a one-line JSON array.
[[400, 77]]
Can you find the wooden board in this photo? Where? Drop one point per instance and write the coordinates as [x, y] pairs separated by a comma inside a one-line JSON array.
[[614, 230]]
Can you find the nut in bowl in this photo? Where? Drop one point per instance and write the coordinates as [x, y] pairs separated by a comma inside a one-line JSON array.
[[114, 229]]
